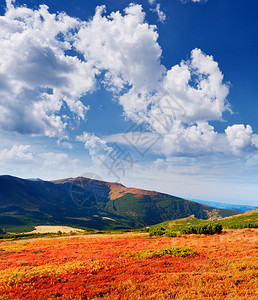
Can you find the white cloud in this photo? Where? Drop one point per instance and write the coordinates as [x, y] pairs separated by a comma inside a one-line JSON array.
[[47, 77], [241, 138], [38, 76], [125, 48], [189, 141], [16, 154], [252, 163], [51, 161], [190, 95], [191, 92], [161, 15], [202, 139], [67, 145], [195, 1], [97, 147], [25, 154], [195, 140], [255, 140], [28, 161], [197, 85], [91, 141]]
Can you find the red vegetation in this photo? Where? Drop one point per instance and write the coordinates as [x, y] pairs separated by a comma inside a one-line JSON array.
[[117, 191], [97, 267]]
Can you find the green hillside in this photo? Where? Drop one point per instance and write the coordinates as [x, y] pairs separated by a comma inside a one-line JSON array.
[[153, 209], [245, 220]]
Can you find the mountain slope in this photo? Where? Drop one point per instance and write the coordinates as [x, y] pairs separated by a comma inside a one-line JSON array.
[[140, 206], [243, 220], [90, 203], [27, 203]]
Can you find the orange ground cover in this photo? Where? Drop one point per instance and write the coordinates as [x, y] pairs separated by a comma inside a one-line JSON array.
[[107, 267]]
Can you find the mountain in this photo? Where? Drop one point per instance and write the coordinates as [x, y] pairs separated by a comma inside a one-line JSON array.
[[242, 208], [90, 203]]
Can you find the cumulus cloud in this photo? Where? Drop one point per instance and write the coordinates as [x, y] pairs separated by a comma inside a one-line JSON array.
[[192, 91], [97, 147], [190, 95], [192, 140], [200, 139], [122, 47], [125, 48], [241, 138], [49, 61], [182, 140], [16, 154], [38, 76], [176, 103]]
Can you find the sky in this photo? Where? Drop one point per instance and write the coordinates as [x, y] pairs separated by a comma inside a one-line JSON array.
[[154, 94]]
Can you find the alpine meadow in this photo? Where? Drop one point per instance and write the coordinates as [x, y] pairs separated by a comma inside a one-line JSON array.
[[129, 150]]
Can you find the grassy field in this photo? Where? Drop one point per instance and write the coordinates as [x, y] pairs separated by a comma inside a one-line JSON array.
[[131, 266]]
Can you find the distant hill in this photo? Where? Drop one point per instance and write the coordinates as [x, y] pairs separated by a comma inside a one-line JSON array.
[[243, 208], [89, 203], [244, 220], [34, 179]]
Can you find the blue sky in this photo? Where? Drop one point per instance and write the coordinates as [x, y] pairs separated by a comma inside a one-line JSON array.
[[154, 94]]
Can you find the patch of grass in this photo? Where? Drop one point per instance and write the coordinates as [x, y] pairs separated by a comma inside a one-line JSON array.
[[204, 228], [172, 251], [37, 251], [178, 251], [145, 254], [159, 231], [170, 233]]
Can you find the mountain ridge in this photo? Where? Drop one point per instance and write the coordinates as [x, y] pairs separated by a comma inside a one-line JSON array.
[[240, 207], [90, 203]]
